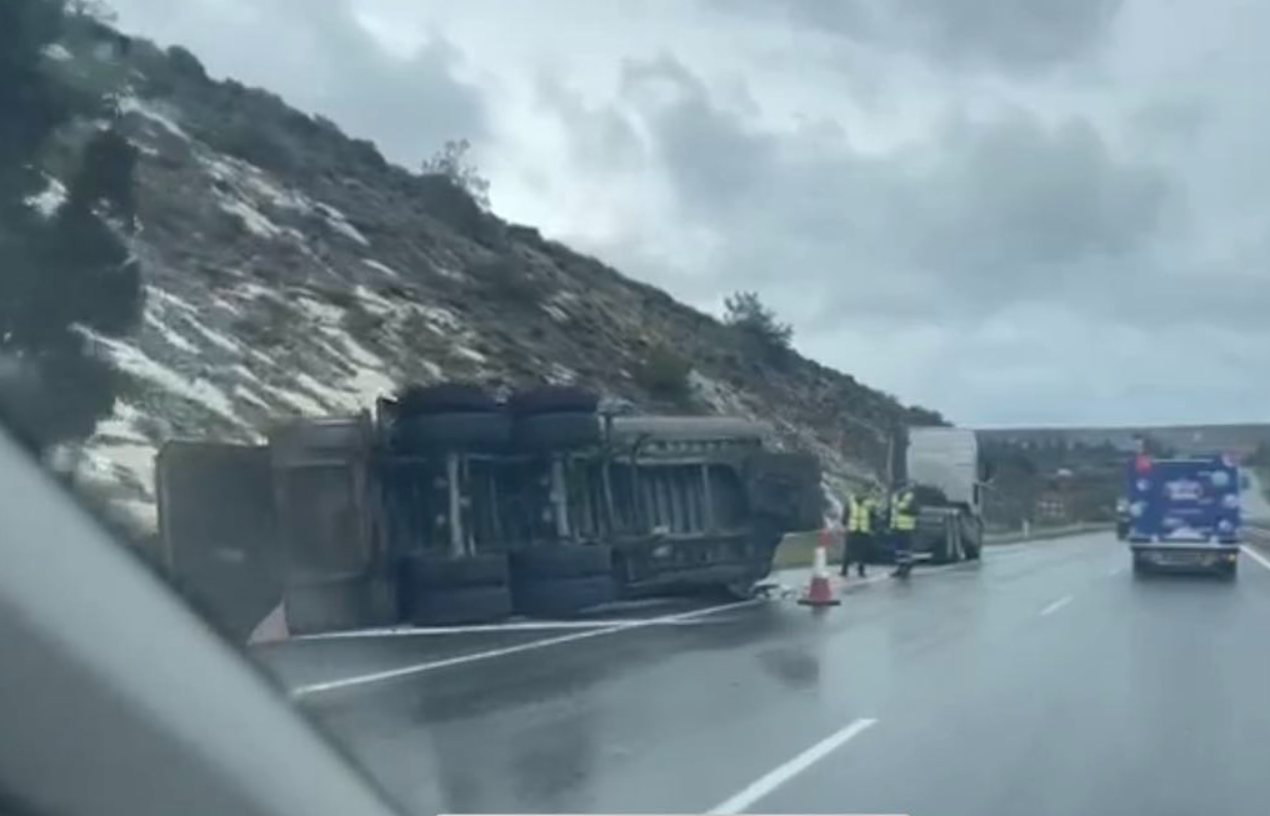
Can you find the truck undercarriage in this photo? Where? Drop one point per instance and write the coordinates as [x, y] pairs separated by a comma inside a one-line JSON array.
[[358, 524]]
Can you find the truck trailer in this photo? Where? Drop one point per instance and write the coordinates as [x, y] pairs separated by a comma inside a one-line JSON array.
[[446, 505]]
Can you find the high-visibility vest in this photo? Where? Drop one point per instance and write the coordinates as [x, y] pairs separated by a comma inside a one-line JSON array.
[[860, 520], [902, 516]]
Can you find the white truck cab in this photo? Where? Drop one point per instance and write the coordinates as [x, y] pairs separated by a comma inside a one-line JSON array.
[[943, 465]]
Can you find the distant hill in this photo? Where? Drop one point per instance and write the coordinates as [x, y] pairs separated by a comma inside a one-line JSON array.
[[1242, 439], [1061, 475]]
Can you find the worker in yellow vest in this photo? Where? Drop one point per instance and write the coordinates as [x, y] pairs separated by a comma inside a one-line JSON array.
[[903, 524], [857, 518]]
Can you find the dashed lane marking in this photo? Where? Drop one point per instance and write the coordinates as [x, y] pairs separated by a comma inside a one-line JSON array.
[[1057, 605], [778, 776], [1255, 556]]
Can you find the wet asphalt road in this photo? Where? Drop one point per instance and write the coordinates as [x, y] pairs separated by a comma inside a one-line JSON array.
[[1045, 681]]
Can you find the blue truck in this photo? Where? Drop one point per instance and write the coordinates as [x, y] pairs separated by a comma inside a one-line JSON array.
[[1184, 514]]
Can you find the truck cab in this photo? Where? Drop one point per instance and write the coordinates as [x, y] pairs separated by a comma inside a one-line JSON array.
[[944, 467]]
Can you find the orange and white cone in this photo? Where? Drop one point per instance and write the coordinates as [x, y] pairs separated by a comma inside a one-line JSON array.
[[820, 590]]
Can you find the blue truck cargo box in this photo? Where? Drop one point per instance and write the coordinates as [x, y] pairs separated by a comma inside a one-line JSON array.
[[1183, 500]]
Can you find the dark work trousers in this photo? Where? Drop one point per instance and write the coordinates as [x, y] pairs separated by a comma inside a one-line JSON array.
[[902, 546], [857, 548]]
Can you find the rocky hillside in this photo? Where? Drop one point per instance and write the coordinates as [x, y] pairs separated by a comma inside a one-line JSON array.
[[291, 270]]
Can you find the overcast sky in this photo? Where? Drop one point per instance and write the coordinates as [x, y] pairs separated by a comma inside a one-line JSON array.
[[1013, 211]]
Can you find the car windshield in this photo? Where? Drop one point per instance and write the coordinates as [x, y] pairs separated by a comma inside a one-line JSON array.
[[673, 405]]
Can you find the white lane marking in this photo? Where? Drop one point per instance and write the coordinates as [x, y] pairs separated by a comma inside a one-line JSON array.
[[778, 776], [1057, 605], [490, 628], [459, 660], [1255, 556]]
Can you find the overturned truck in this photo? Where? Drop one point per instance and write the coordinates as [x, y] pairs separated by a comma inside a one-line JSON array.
[[447, 506]]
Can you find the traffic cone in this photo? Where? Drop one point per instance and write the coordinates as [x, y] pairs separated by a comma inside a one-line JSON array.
[[271, 629], [820, 590]]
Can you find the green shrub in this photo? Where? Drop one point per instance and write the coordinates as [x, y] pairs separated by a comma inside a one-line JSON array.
[[758, 325], [255, 144], [105, 175], [508, 280], [664, 374], [185, 64]]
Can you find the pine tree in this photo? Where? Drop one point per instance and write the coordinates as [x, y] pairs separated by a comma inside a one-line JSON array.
[[66, 272]]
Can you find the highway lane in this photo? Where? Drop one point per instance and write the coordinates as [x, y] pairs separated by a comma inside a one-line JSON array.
[[1047, 678]]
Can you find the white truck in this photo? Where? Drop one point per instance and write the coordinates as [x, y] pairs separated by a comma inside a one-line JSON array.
[[948, 478]]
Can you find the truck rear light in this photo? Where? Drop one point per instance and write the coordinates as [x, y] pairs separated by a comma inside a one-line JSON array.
[[1142, 463]]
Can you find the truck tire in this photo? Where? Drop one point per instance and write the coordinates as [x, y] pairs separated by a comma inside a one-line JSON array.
[[945, 549], [435, 589], [543, 432], [556, 563], [1229, 572], [434, 571], [473, 604], [447, 398], [972, 538], [431, 432], [553, 399], [563, 596]]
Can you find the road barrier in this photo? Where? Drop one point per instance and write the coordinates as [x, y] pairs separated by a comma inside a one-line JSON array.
[[798, 549]]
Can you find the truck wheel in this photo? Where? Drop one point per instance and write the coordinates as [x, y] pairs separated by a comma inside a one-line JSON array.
[[429, 432], [474, 604], [437, 589], [557, 431], [946, 550], [1141, 569], [434, 571], [1229, 572], [972, 536], [553, 399], [555, 563], [447, 398], [563, 596]]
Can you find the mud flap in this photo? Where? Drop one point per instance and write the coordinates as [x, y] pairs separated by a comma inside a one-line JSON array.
[[217, 524]]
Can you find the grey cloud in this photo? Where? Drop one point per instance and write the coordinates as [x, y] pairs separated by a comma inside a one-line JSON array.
[[984, 214], [603, 138], [713, 158], [316, 56], [1018, 35], [1019, 195]]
